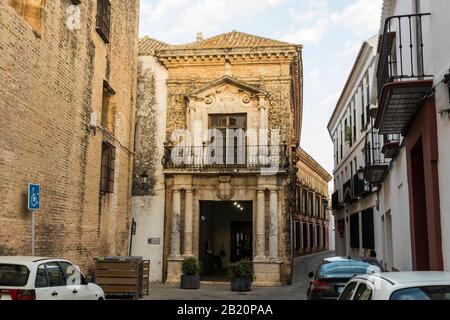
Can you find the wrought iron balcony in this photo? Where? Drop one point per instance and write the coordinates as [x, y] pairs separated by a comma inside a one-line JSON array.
[[391, 146], [348, 192], [403, 80], [228, 157], [335, 201], [376, 167], [360, 187]]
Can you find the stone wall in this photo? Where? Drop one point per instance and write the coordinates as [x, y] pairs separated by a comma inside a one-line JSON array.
[[51, 80]]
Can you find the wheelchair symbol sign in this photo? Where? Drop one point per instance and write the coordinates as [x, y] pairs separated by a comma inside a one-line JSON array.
[[34, 197]]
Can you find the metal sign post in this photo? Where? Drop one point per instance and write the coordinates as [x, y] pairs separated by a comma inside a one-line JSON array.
[[34, 204]]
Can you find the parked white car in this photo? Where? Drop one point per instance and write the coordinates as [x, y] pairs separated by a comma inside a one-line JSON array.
[[399, 286], [32, 278]]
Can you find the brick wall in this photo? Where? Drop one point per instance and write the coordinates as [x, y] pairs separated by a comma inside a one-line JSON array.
[[51, 81]]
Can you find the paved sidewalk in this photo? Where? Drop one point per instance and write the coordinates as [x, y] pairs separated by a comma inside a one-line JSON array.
[[303, 265]]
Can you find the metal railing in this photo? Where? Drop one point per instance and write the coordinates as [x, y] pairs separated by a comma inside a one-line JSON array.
[[372, 149], [402, 50], [206, 157]]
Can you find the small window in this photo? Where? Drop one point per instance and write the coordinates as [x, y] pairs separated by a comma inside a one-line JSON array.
[[108, 168], [56, 276], [104, 19], [363, 292], [348, 291], [41, 277]]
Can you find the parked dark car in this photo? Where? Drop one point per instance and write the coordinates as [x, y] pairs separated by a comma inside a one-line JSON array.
[[332, 274]]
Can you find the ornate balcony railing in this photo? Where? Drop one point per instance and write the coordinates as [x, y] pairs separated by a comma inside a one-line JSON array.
[[376, 167], [402, 77], [228, 157], [335, 201]]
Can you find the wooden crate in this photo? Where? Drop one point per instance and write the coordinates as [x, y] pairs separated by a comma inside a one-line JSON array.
[[123, 277]]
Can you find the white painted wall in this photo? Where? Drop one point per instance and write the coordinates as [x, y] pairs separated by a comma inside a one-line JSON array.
[[440, 24], [148, 211], [394, 197], [331, 234]]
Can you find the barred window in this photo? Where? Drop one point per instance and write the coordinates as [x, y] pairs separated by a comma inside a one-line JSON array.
[[108, 168], [104, 19]]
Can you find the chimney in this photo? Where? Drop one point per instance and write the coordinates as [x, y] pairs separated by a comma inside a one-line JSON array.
[[199, 36]]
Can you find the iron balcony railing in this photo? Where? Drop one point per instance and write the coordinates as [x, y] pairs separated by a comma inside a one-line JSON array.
[[360, 187], [402, 50], [335, 203], [232, 157]]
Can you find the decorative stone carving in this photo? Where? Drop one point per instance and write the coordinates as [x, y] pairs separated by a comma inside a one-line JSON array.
[[225, 189]]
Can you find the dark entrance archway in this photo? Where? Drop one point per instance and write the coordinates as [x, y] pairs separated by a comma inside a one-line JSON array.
[[226, 236]]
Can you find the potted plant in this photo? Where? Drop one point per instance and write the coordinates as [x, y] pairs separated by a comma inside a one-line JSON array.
[[191, 274], [241, 275]]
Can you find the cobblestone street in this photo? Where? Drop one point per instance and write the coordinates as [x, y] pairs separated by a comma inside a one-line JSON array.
[[303, 265]]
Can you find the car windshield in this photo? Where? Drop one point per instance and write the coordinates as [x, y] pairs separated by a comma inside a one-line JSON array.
[[423, 293], [349, 267], [12, 275]]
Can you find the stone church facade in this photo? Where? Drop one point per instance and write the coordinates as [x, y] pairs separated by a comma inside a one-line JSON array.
[[219, 202]]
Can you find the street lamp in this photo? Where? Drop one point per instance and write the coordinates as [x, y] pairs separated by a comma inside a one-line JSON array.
[[144, 178], [361, 173]]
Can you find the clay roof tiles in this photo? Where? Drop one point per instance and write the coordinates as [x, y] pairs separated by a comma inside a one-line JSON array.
[[233, 39], [148, 46]]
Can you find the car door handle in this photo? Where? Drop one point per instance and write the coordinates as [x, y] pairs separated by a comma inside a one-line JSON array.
[[55, 294]]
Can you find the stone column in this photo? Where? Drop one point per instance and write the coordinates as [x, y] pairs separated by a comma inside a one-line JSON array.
[[262, 134], [176, 213], [273, 236], [188, 222], [260, 225]]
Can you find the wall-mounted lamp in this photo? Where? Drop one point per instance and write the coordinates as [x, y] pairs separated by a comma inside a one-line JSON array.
[[447, 81], [144, 178], [361, 173]]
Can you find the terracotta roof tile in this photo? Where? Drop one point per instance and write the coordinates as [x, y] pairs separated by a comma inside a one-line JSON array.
[[232, 39], [147, 46]]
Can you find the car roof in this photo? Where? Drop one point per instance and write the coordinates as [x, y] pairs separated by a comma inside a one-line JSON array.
[[23, 259], [400, 278], [339, 259]]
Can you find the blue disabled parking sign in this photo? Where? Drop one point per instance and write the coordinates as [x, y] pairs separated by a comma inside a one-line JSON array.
[[34, 197]]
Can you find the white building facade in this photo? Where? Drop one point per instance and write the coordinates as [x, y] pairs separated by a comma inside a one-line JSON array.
[[406, 160], [354, 201], [413, 102]]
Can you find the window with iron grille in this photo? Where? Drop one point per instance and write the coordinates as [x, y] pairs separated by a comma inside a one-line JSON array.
[[108, 168], [368, 229], [104, 19]]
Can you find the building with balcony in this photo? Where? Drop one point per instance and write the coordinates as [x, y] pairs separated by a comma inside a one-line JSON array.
[[413, 97], [224, 115], [360, 165], [311, 218]]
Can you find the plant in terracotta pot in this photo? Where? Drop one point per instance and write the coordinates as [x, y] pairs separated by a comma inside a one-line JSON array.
[[191, 274], [241, 275]]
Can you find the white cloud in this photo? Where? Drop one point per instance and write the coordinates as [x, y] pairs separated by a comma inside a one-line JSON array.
[[360, 17], [182, 19]]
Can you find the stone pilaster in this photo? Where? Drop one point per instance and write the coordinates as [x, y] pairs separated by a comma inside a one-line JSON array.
[[188, 221], [260, 226], [176, 215], [273, 236]]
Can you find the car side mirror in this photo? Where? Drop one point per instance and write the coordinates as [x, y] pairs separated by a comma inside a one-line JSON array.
[[311, 275]]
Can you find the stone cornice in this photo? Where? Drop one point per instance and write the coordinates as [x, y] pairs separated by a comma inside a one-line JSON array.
[[313, 165], [266, 55]]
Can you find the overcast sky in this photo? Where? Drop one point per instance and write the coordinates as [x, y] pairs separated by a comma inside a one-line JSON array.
[[331, 31]]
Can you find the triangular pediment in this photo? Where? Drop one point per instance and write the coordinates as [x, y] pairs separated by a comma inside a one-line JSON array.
[[231, 81]]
